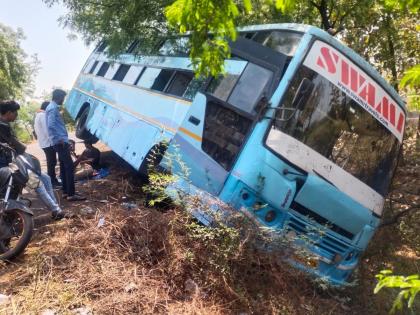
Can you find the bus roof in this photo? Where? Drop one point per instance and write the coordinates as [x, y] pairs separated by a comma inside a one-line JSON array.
[[350, 53]]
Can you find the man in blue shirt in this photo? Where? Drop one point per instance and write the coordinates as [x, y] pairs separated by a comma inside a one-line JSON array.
[[60, 140]]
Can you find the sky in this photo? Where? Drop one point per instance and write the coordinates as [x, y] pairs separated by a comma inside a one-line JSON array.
[[61, 59]]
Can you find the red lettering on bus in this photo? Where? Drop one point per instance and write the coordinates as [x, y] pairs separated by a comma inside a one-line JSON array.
[[344, 72], [400, 122], [392, 114], [371, 95], [328, 59], [385, 109], [361, 80], [320, 63], [354, 80], [335, 57]]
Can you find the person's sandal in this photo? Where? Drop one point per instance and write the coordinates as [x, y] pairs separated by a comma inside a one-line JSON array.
[[76, 197]]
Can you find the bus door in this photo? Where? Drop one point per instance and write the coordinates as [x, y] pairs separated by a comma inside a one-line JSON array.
[[223, 114]]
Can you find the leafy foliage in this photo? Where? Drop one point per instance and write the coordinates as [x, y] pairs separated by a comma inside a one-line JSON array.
[[411, 82], [411, 77], [384, 32], [410, 287], [23, 127], [215, 17], [117, 22], [14, 72]]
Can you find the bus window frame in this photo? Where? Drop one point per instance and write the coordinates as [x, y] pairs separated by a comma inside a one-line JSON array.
[[100, 68], [171, 81], [247, 115], [160, 46], [269, 89], [275, 67], [119, 71]]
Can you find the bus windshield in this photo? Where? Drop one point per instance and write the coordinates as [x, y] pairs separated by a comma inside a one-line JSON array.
[[338, 128]]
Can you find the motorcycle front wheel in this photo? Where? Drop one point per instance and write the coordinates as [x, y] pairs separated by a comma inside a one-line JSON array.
[[16, 227]]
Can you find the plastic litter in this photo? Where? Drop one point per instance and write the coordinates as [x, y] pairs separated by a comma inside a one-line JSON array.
[[4, 299], [101, 222]]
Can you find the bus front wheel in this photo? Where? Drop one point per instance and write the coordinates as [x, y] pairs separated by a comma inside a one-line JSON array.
[[82, 132]]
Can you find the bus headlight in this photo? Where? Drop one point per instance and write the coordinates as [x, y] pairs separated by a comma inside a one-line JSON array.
[[270, 216], [337, 259]]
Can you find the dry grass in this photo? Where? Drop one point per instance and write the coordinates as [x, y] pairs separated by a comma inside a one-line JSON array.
[[143, 262]]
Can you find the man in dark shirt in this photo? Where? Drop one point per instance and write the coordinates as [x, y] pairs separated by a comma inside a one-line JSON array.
[[8, 114], [90, 155], [87, 163]]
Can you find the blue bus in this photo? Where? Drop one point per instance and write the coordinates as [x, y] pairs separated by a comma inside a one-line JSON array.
[[300, 133]]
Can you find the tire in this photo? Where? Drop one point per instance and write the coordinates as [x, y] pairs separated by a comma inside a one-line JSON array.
[[24, 239], [82, 132], [153, 158]]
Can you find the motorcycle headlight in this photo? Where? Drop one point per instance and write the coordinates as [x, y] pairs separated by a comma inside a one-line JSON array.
[[33, 181]]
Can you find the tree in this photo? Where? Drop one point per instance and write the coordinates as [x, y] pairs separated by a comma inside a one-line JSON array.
[[15, 73], [383, 31], [117, 22]]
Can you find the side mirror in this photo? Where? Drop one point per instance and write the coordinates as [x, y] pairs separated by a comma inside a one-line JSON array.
[[302, 94]]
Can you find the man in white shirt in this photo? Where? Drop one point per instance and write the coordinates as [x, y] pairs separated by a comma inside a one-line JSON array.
[[44, 141]]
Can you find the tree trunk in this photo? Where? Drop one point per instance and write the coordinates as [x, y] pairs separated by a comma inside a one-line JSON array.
[[391, 49]]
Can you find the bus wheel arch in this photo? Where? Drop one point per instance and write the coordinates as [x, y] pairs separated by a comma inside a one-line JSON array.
[[82, 132]]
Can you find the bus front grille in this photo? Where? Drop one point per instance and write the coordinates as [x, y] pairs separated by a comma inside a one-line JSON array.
[[321, 220], [317, 236]]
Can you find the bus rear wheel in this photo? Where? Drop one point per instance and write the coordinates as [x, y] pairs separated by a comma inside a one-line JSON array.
[[152, 159], [82, 132]]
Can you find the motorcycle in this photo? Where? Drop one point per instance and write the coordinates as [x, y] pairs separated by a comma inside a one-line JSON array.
[[16, 219]]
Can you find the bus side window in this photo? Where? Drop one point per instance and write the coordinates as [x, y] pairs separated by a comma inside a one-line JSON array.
[[222, 86], [261, 37], [247, 35], [112, 70], [178, 46], [162, 79], [148, 77], [121, 73], [284, 42], [103, 69], [133, 75], [180, 83], [195, 85], [92, 69]]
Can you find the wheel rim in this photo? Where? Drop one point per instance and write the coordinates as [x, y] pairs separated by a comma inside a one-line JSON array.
[[12, 230]]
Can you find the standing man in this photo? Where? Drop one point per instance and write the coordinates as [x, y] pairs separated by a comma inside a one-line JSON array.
[[41, 130], [60, 140]]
